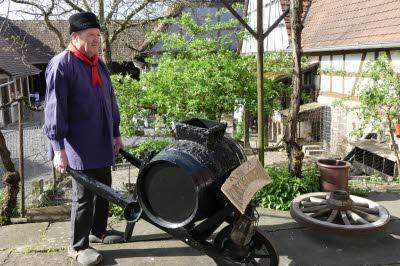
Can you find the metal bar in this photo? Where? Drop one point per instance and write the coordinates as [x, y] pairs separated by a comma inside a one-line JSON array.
[[208, 226], [201, 245], [98, 188], [132, 209], [238, 17], [132, 159], [21, 154], [276, 23]]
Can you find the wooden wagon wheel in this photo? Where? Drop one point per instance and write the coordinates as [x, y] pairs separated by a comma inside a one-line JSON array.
[[260, 250], [339, 212]]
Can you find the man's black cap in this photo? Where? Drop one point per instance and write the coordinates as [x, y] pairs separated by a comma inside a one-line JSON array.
[[82, 21]]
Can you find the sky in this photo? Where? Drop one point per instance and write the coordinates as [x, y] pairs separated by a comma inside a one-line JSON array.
[[14, 11], [6, 6]]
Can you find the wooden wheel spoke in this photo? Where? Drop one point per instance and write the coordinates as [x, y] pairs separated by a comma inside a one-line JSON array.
[[369, 217], [356, 218], [311, 204], [367, 210], [318, 199], [321, 212], [332, 216], [361, 204], [313, 208], [344, 218]]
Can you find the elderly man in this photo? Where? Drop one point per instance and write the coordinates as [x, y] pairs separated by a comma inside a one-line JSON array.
[[82, 123]]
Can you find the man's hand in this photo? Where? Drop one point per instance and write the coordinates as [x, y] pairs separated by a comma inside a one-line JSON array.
[[118, 145], [60, 161]]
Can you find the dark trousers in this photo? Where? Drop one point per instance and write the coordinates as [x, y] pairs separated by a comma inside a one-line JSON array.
[[89, 212]]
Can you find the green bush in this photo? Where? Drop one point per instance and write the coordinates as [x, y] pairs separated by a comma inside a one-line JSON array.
[[284, 187], [155, 145], [238, 134], [116, 212]]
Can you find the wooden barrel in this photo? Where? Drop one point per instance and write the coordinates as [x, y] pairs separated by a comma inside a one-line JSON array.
[[182, 183]]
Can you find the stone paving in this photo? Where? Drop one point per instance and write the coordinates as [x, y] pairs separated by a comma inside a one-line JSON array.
[[45, 243]]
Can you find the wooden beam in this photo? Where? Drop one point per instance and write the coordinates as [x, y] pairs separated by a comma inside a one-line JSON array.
[[353, 91], [260, 81], [344, 76], [276, 23], [241, 20], [330, 73]]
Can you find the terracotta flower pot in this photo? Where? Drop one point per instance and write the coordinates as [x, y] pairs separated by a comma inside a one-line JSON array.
[[397, 129], [334, 174]]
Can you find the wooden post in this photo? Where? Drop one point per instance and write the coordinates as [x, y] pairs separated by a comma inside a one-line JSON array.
[[54, 180], [21, 153], [260, 81]]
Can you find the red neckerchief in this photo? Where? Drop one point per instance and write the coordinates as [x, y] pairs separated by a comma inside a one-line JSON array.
[[96, 80]]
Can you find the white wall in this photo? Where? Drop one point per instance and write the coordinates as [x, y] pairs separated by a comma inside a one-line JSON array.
[[344, 117], [278, 39]]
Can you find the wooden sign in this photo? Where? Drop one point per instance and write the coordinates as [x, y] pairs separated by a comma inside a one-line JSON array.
[[244, 182]]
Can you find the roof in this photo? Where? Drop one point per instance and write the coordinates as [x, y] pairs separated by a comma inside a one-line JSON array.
[[351, 25], [287, 78], [12, 63], [304, 108], [285, 5], [22, 40], [38, 29]]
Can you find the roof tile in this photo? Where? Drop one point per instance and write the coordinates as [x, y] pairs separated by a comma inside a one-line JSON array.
[[351, 23]]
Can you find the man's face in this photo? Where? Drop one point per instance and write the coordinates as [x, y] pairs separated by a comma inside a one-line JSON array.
[[87, 41]]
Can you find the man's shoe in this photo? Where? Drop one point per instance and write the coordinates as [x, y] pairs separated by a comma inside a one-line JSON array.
[[89, 256], [110, 237]]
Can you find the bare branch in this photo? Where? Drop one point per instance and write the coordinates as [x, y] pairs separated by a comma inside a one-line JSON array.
[[86, 5], [173, 11], [56, 31], [239, 18], [101, 12], [74, 6], [113, 9], [125, 24], [30, 4]]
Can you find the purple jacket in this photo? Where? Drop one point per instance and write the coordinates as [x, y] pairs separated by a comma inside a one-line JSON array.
[[80, 118]]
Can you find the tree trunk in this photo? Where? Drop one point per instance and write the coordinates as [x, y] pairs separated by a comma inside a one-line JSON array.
[[293, 149], [10, 184], [246, 129], [106, 49], [266, 129]]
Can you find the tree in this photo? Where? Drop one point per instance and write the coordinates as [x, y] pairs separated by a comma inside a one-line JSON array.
[[259, 35], [293, 149], [11, 180], [115, 17], [197, 75], [379, 98]]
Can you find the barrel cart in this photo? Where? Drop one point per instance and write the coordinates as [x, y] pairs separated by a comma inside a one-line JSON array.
[[179, 191]]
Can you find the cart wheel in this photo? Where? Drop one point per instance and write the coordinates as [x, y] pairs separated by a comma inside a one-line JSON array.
[[260, 250]]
